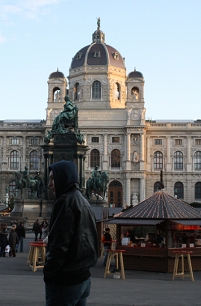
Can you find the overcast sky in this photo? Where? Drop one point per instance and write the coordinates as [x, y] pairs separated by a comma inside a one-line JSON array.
[[161, 38]]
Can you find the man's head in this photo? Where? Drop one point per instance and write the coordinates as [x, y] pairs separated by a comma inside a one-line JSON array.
[[107, 229], [62, 174]]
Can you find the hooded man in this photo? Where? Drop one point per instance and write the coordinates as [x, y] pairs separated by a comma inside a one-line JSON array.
[[72, 242]]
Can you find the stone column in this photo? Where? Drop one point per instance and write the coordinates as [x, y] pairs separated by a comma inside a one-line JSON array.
[[188, 166], [128, 192], [142, 189], [189, 192], [4, 161], [148, 166], [24, 153], [105, 160], [142, 152], [168, 154], [128, 151]]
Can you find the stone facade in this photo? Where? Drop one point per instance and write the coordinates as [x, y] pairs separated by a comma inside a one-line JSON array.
[[112, 118]]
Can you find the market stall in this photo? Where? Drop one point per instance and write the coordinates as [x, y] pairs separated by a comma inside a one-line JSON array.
[[159, 225]]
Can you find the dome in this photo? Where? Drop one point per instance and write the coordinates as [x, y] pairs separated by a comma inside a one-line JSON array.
[[56, 75], [98, 53], [135, 74]]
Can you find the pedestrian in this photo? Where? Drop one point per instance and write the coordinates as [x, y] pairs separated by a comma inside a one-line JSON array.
[[107, 242], [36, 228], [3, 240], [13, 240], [41, 230], [20, 230], [72, 241], [45, 231]]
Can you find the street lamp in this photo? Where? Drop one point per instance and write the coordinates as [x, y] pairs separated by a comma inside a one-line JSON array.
[[6, 196]]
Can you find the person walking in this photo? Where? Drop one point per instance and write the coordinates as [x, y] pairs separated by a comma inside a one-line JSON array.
[[107, 242], [20, 230], [45, 231], [36, 229], [3, 240], [72, 241], [13, 240]]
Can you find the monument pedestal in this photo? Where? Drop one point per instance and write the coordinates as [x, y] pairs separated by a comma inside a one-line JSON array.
[[99, 203], [18, 208]]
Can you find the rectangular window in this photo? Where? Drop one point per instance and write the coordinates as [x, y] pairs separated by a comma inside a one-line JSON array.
[[14, 141], [34, 141], [94, 139], [178, 142], [115, 139], [197, 142], [158, 141]]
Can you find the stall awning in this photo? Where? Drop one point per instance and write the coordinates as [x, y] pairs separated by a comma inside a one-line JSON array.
[[134, 221], [188, 222]]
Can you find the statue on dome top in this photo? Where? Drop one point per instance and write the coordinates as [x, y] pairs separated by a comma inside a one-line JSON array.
[[98, 22]]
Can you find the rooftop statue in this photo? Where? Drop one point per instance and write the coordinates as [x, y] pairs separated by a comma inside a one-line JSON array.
[[65, 122], [97, 184]]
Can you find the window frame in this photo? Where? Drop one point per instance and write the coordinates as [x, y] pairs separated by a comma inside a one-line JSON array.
[[34, 162], [115, 159], [94, 158], [178, 160], [197, 160], [159, 140], [14, 160], [94, 138], [96, 90], [158, 160], [179, 190], [198, 191]]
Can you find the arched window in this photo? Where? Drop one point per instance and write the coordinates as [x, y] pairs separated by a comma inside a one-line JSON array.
[[197, 160], [158, 160], [96, 90], [12, 190], [76, 91], [198, 190], [95, 158], [117, 91], [178, 160], [135, 93], [179, 190], [115, 158], [56, 94], [157, 186], [34, 160], [14, 160]]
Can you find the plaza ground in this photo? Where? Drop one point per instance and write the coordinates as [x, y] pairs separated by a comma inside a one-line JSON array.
[[20, 286]]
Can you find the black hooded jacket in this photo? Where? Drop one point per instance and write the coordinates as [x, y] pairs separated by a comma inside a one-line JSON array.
[[72, 241]]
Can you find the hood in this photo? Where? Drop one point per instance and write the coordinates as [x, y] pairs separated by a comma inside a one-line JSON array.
[[65, 174]]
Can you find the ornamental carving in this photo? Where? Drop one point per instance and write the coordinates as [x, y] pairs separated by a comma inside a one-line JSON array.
[[89, 81], [54, 113], [111, 148], [134, 114]]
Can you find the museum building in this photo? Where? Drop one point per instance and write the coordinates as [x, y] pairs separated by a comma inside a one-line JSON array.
[[112, 119]]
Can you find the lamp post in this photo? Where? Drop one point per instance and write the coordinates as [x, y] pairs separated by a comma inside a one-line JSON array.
[[6, 197]]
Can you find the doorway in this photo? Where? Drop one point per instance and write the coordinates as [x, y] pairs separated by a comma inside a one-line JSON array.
[[115, 194]]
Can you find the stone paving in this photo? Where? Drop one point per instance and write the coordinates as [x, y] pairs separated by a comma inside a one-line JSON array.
[[20, 286]]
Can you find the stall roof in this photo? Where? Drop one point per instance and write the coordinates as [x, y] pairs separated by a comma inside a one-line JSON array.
[[188, 222], [3, 207], [161, 205], [134, 221]]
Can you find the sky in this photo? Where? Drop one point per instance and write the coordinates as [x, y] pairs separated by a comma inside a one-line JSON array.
[[161, 38]]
